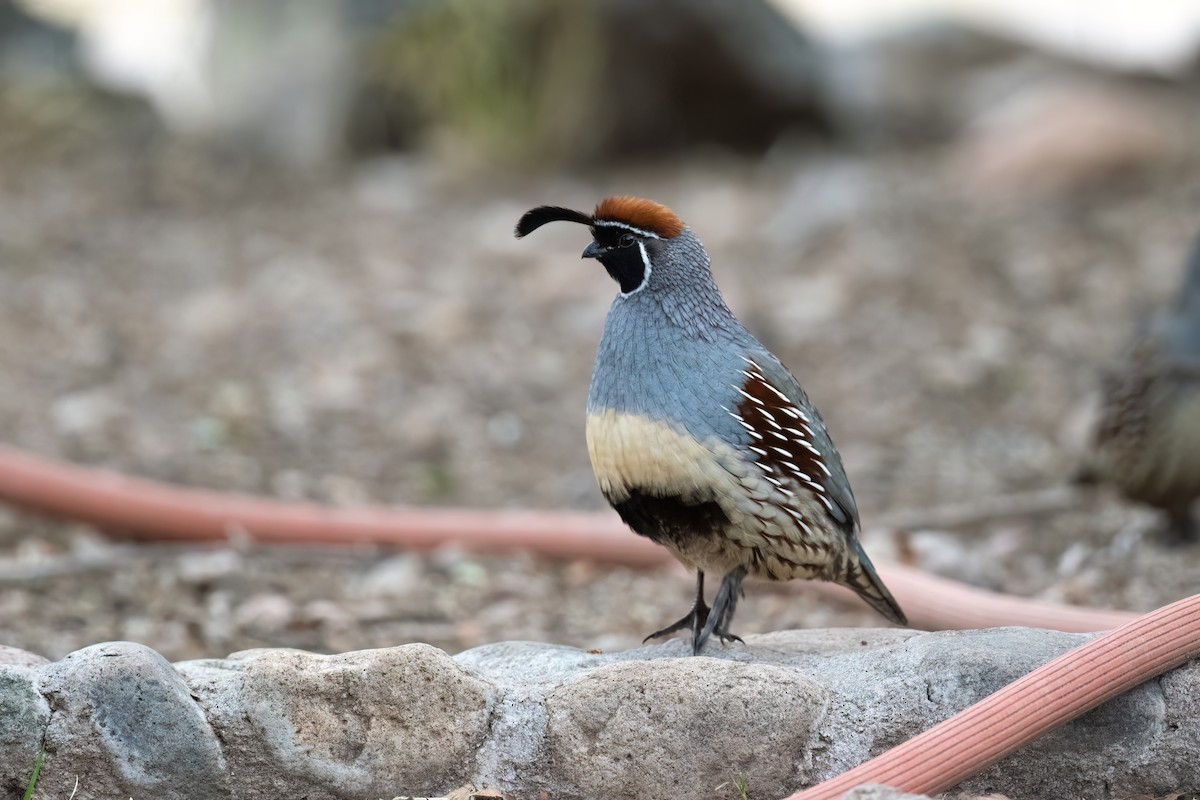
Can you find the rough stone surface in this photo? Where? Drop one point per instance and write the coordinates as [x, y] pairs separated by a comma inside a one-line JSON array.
[[877, 791], [615, 725], [406, 720], [123, 720], [16, 657], [24, 715], [377, 723], [781, 712]]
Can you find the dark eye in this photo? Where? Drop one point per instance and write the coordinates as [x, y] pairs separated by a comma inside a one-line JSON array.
[[626, 240]]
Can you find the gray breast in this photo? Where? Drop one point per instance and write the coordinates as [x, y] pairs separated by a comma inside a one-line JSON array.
[[646, 365]]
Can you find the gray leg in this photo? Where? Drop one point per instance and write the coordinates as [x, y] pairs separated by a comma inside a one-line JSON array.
[[724, 605], [693, 621]]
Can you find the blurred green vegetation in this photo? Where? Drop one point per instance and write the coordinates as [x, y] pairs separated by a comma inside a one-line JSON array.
[[505, 80]]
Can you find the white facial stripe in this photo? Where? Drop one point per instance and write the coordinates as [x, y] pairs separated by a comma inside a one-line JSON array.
[[608, 223], [645, 274]]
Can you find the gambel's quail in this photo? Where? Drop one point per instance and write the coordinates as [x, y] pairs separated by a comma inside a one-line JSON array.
[[699, 437], [1147, 441]]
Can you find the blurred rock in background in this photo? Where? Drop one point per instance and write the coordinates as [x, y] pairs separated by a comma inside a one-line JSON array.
[[307, 82], [29, 46], [909, 83], [302, 81]]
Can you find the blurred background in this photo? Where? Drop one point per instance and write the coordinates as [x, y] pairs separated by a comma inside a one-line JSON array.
[[267, 248]]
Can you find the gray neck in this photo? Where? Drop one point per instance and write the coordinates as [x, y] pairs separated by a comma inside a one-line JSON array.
[[698, 312], [681, 290]]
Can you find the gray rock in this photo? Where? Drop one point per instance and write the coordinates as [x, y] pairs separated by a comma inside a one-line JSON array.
[[24, 715], [858, 693], [124, 719], [15, 656], [617, 725], [1069, 134], [877, 791], [406, 720], [783, 711], [907, 82], [917, 683]]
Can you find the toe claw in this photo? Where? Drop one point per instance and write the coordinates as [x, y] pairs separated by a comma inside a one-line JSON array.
[[694, 621]]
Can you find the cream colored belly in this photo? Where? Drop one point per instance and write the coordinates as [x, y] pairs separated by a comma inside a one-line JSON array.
[[629, 450]]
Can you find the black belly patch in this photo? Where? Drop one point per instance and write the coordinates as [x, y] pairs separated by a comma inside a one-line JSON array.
[[671, 519]]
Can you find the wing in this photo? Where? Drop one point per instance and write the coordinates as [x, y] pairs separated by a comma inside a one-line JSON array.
[[790, 437]]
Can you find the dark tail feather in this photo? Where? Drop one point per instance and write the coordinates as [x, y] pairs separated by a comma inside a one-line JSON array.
[[862, 578]]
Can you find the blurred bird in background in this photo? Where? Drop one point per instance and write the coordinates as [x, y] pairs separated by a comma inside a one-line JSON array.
[[1147, 440]]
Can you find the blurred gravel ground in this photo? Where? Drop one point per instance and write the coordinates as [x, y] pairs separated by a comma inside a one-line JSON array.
[[377, 335]]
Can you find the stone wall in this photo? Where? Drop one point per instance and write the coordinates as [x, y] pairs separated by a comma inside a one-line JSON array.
[[784, 711]]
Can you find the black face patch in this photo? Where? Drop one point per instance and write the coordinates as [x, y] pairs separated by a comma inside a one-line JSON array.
[[612, 237], [621, 256]]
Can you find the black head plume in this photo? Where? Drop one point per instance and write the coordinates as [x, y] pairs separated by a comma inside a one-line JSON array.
[[535, 218]]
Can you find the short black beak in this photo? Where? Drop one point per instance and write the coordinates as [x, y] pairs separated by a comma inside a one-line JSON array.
[[593, 250]]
